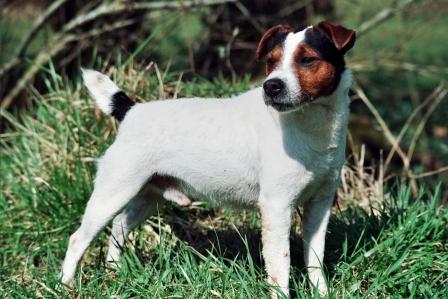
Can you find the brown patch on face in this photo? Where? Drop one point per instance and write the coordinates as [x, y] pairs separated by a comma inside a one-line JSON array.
[[273, 58], [317, 77]]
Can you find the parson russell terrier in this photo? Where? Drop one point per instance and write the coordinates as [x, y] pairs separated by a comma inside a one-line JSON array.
[[274, 147]]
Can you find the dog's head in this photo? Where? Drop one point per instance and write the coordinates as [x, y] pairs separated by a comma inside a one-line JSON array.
[[302, 66]]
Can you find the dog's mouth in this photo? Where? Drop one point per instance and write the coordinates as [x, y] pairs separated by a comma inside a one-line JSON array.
[[288, 106], [282, 107]]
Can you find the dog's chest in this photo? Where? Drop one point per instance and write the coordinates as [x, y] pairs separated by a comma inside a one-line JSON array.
[[305, 171]]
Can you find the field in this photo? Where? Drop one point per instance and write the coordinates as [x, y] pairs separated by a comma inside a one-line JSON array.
[[388, 234], [48, 166]]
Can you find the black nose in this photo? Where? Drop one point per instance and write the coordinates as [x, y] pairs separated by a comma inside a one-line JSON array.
[[273, 87]]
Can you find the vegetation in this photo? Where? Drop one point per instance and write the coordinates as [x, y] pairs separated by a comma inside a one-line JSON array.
[[388, 234], [48, 163]]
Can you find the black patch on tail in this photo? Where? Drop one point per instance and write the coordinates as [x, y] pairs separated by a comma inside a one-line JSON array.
[[121, 104]]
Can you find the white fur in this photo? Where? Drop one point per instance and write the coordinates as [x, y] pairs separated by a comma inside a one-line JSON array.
[[235, 150], [101, 88]]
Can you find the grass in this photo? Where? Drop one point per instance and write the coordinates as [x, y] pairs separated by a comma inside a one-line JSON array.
[[48, 164]]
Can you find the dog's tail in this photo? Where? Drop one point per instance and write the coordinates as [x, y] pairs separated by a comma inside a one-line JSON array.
[[108, 97]]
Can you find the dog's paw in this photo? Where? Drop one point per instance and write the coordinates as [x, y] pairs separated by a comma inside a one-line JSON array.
[[323, 291], [66, 281], [113, 264]]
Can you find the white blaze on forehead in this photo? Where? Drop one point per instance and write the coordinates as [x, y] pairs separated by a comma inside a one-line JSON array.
[[290, 46]]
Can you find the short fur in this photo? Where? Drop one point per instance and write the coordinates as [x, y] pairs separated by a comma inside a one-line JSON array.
[[272, 154]]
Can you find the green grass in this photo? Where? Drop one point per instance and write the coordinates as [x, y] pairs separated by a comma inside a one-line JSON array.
[[47, 167], [12, 33]]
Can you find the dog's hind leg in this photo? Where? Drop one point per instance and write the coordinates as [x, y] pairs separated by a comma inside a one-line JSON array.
[[141, 207], [118, 180]]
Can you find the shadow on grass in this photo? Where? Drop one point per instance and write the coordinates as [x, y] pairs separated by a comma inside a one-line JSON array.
[[227, 242], [348, 230], [351, 234]]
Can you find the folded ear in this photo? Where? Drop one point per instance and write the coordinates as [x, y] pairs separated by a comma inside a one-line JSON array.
[[271, 38], [342, 38]]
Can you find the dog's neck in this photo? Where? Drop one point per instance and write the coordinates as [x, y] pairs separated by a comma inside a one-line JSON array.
[[322, 125]]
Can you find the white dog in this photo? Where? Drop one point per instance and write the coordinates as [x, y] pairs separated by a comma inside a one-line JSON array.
[[274, 147]]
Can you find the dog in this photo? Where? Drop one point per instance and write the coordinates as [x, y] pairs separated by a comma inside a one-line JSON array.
[[274, 147]]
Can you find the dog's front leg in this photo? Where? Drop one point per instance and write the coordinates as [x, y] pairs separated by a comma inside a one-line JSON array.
[[276, 222], [316, 215]]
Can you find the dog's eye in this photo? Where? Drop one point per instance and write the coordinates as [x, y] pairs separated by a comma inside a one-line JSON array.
[[307, 60], [270, 62]]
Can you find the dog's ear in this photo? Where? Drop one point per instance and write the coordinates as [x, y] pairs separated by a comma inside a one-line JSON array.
[[342, 38], [271, 38]]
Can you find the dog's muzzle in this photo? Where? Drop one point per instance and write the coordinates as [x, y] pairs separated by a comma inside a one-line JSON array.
[[276, 95]]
